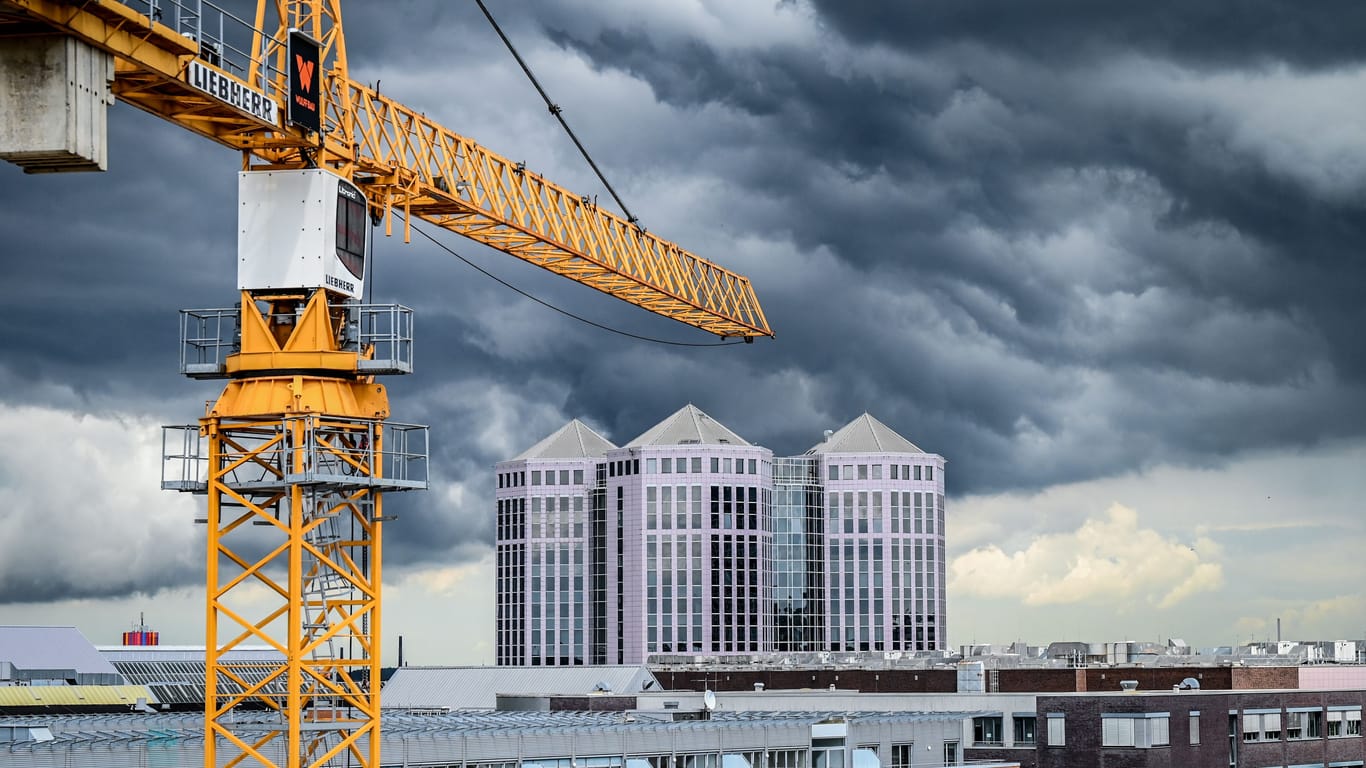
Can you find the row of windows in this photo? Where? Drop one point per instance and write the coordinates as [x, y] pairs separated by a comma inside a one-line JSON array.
[[1152, 729], [717, 464], [987, 731], [669, 465], [874, 472], [910, 512], [1303, 724]]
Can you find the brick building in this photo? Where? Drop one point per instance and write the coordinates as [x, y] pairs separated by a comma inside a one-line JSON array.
[[1201, 729]]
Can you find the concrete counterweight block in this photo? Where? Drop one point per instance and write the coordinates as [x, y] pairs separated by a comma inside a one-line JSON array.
[[54, 92]]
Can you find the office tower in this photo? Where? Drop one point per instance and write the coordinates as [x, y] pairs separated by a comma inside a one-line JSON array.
[[691, 540]]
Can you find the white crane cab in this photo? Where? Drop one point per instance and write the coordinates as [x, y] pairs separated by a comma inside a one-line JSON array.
[[300, 230]]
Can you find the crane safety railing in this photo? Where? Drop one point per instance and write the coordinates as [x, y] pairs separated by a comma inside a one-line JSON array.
[[382, 334], [264, 457], [224, 38]]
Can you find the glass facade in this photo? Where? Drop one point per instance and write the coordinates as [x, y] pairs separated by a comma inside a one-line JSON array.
[[716, 548], [799, 557]]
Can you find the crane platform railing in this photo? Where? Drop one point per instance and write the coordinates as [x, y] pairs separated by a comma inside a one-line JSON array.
[[333, 452], [381, 334], [224, 38]]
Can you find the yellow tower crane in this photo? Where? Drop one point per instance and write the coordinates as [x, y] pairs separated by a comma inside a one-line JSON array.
[[296, 454]]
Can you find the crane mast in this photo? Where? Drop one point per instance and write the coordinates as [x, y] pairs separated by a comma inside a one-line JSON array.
[[297, 452]]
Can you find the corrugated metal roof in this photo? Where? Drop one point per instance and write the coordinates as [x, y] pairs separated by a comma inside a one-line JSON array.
[[472, 688], [865, 435], [51, 648], [73, 695], [574, 440], [460, 738], [95, 727], [688, 425]]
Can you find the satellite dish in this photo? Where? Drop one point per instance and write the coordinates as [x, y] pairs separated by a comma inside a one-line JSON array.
[[709, 700]]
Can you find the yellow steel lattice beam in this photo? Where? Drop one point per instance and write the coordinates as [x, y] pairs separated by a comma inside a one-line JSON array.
[[406, 161]]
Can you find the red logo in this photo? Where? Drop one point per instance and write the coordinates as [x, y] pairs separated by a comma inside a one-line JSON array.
[[305, 72]]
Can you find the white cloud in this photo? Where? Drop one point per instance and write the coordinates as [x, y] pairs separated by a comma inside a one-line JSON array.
[[83, 510], [1278, 530], [1107, 560]]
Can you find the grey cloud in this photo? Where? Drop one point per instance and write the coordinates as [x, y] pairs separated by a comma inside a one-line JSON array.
[[1044, 266], [1070, 31]]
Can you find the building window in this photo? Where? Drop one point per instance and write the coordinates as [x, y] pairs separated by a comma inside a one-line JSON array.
[[1135, 730], [1262, 726], [651, 466], [987, 730], [903, 754], [1024, 729], [1294, 725], [1117, 732], [1271, 726], [697, 465], [951, 753], [1195, 727], [1344, 722], [535, 477], [1057, 730]]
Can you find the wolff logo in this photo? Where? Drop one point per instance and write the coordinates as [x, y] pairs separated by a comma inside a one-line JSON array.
[[305, 72], [304, 82]]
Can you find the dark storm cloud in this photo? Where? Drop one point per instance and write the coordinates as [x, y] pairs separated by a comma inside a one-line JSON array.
[[985, 156], [1069, 31], [1006, 231]]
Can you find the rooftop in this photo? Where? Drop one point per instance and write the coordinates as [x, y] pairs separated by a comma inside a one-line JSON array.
[[864, 434], [687, 426], [574, 440]]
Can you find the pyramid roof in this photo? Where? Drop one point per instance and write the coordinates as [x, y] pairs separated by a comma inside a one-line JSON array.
[[574, 440], [688, 425], [865, 434]]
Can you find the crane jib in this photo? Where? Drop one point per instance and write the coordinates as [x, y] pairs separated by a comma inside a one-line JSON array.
[[227, 90]]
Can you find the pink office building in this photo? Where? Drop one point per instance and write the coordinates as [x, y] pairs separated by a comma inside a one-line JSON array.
[[690, 539]]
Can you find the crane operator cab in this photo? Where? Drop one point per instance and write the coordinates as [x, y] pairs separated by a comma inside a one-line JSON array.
[[301, 230], [303, 248]]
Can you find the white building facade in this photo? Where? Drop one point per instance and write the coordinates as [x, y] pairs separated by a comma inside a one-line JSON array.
[[691, 540]]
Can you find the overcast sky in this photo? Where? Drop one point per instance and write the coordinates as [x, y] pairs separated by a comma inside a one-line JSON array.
[[1105, 258]]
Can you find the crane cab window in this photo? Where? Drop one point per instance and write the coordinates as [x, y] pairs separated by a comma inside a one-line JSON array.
[[351, 223]]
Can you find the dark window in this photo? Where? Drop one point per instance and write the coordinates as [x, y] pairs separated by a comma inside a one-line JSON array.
[[1024, 727], [986, 730], [351, 225]]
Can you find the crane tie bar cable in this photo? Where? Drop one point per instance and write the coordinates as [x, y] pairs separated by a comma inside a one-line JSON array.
[[557, 112], [564, 312]]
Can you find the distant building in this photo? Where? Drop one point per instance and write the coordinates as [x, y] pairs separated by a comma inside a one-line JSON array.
[[57, 670], [691, 540], [1201, 729]]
